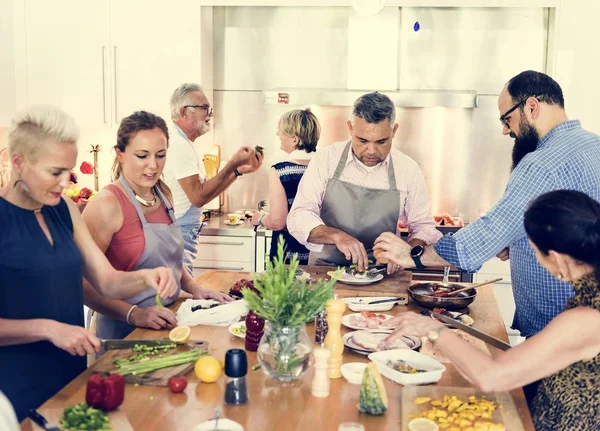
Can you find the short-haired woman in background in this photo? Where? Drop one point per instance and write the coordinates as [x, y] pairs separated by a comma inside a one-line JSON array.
[[298, 132]]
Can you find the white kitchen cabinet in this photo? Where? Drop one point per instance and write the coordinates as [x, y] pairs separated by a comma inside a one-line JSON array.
[[65, 57], [226, 253], [7, 66], [103, 60]]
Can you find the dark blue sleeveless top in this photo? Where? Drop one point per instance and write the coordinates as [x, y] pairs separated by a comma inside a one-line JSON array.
[[290, 175], [38, 281]]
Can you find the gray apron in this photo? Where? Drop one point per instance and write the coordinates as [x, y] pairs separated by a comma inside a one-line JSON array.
[[361, 212], [163, 247]]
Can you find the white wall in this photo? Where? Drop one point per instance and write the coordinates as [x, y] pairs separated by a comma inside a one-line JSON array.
[[578, 60], [7, 72]]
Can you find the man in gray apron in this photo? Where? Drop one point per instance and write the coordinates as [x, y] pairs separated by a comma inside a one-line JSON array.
[[184, 170], [353, 191]]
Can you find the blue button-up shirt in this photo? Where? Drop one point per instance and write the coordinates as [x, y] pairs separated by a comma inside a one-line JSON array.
[[567, 157]]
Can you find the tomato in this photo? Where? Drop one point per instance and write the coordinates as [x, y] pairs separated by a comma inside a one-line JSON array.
[[177, 384]]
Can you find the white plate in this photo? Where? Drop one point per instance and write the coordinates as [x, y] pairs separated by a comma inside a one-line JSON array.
[[222, 424], [353, 372], [237, 326], [433, 368], [346, 322], [359, 303], [227, 222], [350, 279], [465, 319], [348, 342]]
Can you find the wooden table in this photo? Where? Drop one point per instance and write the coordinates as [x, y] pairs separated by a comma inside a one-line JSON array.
[[273, 406]]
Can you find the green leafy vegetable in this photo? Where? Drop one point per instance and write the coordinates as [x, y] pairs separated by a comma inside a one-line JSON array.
[[82, 417], [158, 301], [146, 365]]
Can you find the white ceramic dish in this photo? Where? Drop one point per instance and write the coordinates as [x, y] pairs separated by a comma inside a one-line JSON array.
[[434, 369], [238, 325], [347, 324], [359, 303], [412, 342], [349, 279], [223, 424], [229, 223], [353, 372]]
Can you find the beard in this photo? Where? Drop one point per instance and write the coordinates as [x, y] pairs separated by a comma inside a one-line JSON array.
[[525, 143]]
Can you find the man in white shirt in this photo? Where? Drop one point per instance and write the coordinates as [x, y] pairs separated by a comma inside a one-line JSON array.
[[184, 171], [353, 191]]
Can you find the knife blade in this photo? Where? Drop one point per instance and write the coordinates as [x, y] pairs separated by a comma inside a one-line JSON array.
[[381, 301], [472, 331], [128, 344], [40, 420]]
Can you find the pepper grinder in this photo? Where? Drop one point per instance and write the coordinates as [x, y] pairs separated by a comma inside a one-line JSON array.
[[236, 368], [321, 384], [333, 341], [254, 331]]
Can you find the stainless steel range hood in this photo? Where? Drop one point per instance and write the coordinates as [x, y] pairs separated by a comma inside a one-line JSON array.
[[404, 98]]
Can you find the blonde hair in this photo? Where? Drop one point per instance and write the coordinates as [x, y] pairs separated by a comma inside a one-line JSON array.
[[304, 125], [34, 125]]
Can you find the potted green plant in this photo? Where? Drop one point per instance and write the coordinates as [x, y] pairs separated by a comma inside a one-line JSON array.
[[286, 303]]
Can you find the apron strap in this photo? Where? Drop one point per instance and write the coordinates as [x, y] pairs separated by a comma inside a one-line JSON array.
[[391, 174], [342, 163], [165, 203]]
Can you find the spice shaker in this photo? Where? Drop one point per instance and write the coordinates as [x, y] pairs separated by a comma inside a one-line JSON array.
[[255, 328], [320, 326], [236, 368]]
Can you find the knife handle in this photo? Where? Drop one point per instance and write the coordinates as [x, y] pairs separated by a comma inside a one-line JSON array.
[[38, 418]]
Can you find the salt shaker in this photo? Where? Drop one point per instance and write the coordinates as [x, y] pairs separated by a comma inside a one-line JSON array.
[[333, 341], [236, 368], [255, 328], [321, 384]]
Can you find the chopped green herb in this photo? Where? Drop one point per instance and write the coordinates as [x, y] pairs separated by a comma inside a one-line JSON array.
[[83, 417]]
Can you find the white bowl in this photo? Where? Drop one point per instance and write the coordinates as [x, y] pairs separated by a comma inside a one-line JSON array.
[[223, 424], [359, 303], [433, 368], [353, 372]]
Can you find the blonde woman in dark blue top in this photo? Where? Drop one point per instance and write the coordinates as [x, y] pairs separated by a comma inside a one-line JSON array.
[[298, 132], [45, 250]]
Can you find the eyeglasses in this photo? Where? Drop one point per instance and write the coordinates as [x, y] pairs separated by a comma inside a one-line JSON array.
[[208, 108], [504, 118]]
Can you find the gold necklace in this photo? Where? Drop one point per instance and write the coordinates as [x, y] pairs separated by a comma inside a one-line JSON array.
[[144, 201]]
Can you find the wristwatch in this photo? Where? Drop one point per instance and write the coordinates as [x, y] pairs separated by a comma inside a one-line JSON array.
[[416, 252], [435, 334]]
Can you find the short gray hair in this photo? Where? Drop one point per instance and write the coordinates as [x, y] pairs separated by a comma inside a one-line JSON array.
[[375, 107], [180, 97], [33, 126]]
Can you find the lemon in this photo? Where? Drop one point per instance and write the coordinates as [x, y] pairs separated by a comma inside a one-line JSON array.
[[207, 369], [180, 335], [338, 274], [422, 424]]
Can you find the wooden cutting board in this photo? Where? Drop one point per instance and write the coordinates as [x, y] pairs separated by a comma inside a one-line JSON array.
[[391, 285], [158, 377], [118, 420]]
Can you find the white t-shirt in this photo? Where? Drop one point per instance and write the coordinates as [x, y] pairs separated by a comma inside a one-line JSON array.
[[8, 419], [183, 160]]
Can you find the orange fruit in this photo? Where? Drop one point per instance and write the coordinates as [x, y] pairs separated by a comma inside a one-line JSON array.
[[208, 369]]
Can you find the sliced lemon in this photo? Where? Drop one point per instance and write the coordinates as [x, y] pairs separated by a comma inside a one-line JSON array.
[[180, 335], [338, 274], [422, 424]]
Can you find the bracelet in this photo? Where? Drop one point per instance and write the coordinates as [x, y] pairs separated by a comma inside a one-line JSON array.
[[237, 173], [260, 220], [129, 313]]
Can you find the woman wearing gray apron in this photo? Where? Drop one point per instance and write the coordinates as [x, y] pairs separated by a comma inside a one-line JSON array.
[[350, 208], [133, 221]]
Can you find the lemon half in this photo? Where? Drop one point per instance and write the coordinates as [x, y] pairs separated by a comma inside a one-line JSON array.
[[180, 335]]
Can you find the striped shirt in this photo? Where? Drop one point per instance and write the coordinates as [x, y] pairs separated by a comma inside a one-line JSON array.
[[415, 206], [567, 157]]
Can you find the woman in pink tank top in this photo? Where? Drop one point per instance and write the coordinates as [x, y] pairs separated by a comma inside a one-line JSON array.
[[132, 221]]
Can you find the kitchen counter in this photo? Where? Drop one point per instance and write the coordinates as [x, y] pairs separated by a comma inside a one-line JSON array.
[[273, 406], [216, 226]]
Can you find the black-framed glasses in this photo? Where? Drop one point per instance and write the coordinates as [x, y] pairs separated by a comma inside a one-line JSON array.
[[208, 108], [504, 118]]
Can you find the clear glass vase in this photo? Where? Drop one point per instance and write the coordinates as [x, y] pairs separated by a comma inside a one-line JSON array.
[[285, 352]]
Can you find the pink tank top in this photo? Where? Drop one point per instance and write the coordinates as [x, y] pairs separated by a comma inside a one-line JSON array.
[[127, 244]]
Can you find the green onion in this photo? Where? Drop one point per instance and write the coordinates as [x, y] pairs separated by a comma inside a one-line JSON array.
[[158, 301]]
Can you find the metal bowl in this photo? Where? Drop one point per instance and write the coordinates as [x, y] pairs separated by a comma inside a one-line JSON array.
[[420, 293]]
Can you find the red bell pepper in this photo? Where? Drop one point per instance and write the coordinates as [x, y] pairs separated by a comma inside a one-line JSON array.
[[105, 392]]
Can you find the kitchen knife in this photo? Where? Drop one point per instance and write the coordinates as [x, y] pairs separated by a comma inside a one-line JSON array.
[[40, 420], [128, 344], [472, 331], [381, 301]]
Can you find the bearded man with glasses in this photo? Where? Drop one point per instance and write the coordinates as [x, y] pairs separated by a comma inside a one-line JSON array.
[[550, 152], [184, 169]]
